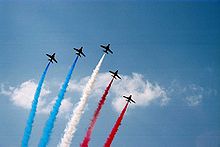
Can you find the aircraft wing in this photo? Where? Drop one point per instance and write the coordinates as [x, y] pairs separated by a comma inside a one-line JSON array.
[[103, 46], [83, 54], [54, 60], [118, 76], [132, 100], [49, 55], [112, 72], [110, 51]]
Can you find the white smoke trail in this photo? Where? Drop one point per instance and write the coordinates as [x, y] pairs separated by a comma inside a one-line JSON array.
[[78, 111]]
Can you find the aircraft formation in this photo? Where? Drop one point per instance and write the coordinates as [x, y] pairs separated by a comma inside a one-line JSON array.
[[71, 126]]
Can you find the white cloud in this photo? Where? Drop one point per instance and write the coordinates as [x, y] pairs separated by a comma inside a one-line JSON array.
[[192, 94], [66, 106], [6, 92], [143, 91], [22, 96], [195, 94], [194, 100]]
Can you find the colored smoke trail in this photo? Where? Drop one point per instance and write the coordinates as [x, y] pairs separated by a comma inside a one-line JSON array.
[[78, 111], [115, 128], [50, 122], [30, 120], [95, 117]]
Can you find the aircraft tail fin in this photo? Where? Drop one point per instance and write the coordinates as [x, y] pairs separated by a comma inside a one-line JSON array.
[[78, 54], [50, 60], [113, 76]]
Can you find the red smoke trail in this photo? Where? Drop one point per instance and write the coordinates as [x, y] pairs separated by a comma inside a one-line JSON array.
[[95, 117], [115, 128]]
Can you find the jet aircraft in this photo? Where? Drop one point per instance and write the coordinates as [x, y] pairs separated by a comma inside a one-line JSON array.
[[115, 74], [128, 99], [52, 58], [79, 51], [106, 49]]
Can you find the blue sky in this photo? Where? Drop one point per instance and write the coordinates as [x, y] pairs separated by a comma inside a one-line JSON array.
[[171, 45]]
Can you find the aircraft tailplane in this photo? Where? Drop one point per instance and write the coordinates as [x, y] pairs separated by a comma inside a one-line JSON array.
[[50, 60], [78, 54]]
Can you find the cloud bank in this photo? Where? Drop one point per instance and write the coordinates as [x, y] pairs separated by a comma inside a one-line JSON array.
[[22, 96], [191, 94], [144, 92]]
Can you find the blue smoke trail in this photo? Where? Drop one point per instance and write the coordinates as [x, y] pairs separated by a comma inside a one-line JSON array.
[[30, 121], [50, 122]]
